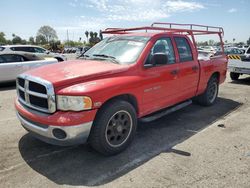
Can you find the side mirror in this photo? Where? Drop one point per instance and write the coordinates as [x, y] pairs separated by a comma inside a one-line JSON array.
[[159, 59]]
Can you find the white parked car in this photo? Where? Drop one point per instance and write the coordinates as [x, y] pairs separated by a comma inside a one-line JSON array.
[[14, 63], [239, 64], [209, 49], [33, 49]]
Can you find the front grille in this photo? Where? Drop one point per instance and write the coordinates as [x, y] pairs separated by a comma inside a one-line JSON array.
[[36, 93], [33, 86]]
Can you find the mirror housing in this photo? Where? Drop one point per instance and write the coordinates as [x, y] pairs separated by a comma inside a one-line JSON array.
[[159, 59]]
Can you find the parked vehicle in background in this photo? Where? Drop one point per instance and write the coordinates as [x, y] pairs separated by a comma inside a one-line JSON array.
[[209, 49], [124, 77], [233, 50], [39, 51], [238, 62], [15, 63], [82, 50], [85, 49]]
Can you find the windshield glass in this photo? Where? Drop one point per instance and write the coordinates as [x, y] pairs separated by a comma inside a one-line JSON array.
[[121, 49]]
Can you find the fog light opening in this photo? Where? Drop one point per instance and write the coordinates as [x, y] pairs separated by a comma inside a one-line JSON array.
[[59, 134]]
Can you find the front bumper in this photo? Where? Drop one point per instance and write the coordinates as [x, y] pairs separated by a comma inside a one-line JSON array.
[[239, 70], [57, 135], [59, 128]]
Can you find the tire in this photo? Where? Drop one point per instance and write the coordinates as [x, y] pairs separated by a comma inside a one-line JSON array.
[[114, 128], [234, 75], [209, 97], [59, 59]]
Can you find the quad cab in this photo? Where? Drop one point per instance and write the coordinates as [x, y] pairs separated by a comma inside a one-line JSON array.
[[129, 76]]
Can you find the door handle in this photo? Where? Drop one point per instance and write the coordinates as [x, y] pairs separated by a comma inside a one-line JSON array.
[[195, 68], [174, 72]]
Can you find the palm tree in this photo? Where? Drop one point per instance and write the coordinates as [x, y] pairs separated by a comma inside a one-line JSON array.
[[100, 35], [91, 34], [95, 34], [87, 35], [233, 40]]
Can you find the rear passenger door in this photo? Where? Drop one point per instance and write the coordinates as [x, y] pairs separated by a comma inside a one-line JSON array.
[[10, 66], [188, 74]]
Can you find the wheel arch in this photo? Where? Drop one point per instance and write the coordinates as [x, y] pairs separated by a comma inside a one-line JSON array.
[[216, 75], [59, 59], [125, 97]]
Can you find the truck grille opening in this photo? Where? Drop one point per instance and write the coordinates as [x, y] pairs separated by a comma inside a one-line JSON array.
[[21, 82], [37, 87], [37, 101], [36, 93]]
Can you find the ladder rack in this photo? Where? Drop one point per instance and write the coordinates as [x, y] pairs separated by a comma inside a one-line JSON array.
[[193, 29]]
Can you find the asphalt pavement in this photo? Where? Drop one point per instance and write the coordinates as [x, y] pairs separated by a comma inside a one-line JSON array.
[[193, 147]]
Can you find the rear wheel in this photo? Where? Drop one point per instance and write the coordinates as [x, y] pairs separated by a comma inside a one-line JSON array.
[[234, 75], [209, 97], [114, 128]]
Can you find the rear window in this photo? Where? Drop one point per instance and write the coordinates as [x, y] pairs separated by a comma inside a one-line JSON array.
[[1, 48]]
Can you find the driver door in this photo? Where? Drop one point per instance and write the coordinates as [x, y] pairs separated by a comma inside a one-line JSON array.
[[160, 87]]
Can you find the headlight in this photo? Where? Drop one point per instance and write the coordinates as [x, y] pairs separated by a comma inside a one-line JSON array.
[[74, 103]]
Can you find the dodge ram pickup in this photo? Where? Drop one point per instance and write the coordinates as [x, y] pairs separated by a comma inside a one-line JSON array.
[[129, 75]]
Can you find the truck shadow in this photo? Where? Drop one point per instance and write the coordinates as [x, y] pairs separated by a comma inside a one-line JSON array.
[[242, 81], [7, 86], [80, 165]]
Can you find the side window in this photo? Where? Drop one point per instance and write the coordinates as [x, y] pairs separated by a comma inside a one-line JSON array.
[[184, 49], [2, 60], [164, 46], [12, 58], [39, 50]]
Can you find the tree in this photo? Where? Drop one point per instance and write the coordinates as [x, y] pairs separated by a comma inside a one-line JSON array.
[[2, 38], [31, 40], [91, 35], [23, 41], [248, 41], [87, 35], [47, 32], [226, 41], [211, 42], [100, 35], [16, 39], [40, 39], [233, 40]]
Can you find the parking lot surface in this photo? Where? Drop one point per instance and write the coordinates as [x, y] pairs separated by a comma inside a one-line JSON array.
[[194, 147]]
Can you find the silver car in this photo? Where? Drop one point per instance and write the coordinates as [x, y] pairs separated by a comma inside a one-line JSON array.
[[33, 49], [15, 63]]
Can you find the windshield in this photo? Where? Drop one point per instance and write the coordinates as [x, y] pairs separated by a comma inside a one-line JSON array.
[[120, 49]]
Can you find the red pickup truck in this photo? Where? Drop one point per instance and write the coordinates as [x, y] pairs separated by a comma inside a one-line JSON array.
[[128, 76]]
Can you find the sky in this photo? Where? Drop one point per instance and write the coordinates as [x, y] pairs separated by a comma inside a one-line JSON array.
[[25, 17]]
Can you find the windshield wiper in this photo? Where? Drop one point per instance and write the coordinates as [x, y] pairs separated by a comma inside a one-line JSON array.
[[106, 56]]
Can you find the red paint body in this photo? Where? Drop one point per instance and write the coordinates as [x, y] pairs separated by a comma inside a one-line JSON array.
[[104, 81]]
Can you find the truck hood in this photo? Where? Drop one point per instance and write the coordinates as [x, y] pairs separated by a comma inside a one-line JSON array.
[[77, 71]]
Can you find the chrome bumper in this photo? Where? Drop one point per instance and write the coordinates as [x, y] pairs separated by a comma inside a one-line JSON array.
[[239, 70], [75, 134]]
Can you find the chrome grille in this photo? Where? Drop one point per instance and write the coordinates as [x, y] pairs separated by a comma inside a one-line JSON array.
[[36, 93]]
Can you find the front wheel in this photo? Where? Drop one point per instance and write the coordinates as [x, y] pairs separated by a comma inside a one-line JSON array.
[[209, 97], [234, 76], [114, 128]]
